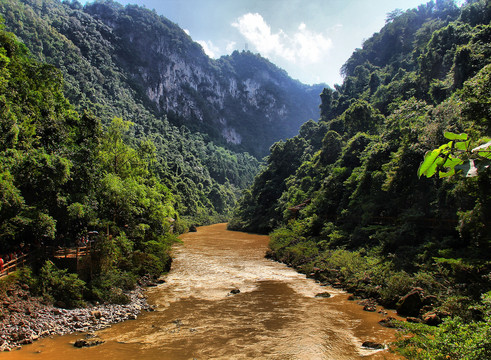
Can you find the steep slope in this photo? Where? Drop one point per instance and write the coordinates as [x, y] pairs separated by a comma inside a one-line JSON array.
[[205, 178], [350, 205], [241, 98], [110, 53]]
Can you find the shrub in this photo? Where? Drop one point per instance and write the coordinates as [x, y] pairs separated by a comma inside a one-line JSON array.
[[396, 285], [147, 264], [6, 283], [454, 339], [109, 286], [59, 286]]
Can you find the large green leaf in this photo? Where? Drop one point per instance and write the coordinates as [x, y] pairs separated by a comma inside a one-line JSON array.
[[430, 159], [452, 136], [452, 162], [462, 145]]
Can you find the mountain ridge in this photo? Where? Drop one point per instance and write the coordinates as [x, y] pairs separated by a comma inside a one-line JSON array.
[[111, 48]]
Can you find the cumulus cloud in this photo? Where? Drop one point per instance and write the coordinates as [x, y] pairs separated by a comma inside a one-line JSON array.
[[209, 48], [302, 46], [231, 46]]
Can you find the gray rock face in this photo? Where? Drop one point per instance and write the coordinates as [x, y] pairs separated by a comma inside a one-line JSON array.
[[115, 53], [242, 98]]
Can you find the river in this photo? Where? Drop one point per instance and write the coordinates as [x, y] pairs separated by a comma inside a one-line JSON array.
[[275, 316]]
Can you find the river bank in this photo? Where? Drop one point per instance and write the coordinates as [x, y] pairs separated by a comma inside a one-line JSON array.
[[25, 319], [223, 299]]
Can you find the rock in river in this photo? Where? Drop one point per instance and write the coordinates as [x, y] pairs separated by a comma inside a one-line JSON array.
[[80, 343], [373, 345]]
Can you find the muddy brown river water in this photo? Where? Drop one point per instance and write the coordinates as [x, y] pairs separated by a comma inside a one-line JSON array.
[[275, 316]]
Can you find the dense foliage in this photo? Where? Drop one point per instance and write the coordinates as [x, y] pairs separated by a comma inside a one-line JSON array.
[[82, 150], [205, 178], [344, 197], [63, 174], [129, 62], [454, 339]]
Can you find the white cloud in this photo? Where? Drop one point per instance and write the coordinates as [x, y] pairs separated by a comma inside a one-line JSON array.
[[209, 49], [310, 47], [186, 31], [302, 47], [231, 46]]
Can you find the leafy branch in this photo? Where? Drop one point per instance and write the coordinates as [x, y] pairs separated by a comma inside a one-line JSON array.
[[458, 155]]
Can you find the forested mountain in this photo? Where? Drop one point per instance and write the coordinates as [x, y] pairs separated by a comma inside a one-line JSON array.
[[82, 149], [113, 119], [344, 198], [132, 63], [205, 178]]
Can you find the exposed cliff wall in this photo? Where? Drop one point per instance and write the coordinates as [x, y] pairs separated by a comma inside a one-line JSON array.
[[242, 98], [116, 58]]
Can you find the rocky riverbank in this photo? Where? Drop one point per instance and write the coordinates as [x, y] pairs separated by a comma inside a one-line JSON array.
[[25, 319]]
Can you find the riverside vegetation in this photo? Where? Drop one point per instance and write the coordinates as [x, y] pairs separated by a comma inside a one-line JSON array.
[[62, 172], [70, 164], [343, 200], [65, 172]]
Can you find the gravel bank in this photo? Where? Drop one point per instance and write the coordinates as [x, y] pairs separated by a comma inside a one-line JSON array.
[[25, 319]]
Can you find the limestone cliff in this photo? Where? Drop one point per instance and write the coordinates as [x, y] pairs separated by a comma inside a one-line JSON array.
[[111, 53], [242, 98]]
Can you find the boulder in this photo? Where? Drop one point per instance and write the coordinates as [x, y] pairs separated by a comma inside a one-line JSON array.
[[96, 314], [410, 304], [337, 285], [80, 343], [388, 322], [432, 319], [235, 291], [323, 295], [373, 345], [370, 307], [368, 304]]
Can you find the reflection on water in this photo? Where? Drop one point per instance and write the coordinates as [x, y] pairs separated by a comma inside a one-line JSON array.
[[275, 316]]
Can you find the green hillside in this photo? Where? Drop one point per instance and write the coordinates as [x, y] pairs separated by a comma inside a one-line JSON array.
[[205, 178], [129, 62], [343, 198]]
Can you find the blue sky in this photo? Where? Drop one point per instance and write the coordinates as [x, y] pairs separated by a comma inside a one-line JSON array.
[[310, 39]]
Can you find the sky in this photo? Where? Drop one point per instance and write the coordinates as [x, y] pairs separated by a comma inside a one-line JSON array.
[[310, 39]]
